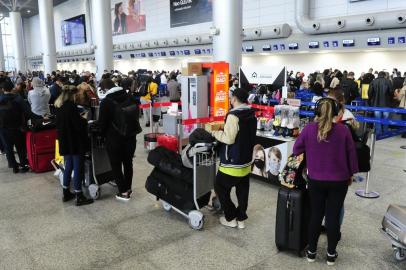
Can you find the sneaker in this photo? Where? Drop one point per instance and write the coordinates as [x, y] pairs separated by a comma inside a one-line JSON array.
[[241, 224], [311, 256], [24, 168], [331, 259], [231, 224], [122, 197]]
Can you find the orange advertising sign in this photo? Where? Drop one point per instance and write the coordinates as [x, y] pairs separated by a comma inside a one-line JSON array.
[[219, 89]]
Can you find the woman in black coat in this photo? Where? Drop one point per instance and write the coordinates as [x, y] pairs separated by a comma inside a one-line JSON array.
[[73, 143]]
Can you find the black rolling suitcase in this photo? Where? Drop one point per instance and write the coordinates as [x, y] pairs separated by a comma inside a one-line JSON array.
[[292, 215]]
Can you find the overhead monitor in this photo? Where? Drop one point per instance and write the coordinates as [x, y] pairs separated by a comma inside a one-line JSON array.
[[314, 45], [73, 30], [266, 48], [348, 43], [293, 46], [376, 41]]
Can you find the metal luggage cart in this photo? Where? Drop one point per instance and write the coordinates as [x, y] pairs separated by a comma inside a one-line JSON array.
[[399, 249], [204, 173]]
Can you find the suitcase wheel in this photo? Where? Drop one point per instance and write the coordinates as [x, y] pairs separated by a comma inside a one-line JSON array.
[[94, 191], [216, 204], [196, 220], [399, 254], [167, 207]]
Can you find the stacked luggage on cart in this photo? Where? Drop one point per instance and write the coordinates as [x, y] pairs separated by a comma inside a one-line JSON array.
[[185, 190]]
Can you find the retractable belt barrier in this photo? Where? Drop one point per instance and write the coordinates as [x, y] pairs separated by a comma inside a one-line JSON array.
[[157, 104]]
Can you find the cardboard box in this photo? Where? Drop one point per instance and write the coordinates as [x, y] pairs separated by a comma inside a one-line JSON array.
[[192, 69], [215, 126]]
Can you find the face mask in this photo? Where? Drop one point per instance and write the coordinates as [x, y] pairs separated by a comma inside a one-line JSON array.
[[274, 167], [259, 163]]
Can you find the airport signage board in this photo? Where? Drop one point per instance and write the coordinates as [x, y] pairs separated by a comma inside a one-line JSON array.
[[188, 12]]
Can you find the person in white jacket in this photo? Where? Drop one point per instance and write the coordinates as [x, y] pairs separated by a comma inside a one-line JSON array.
[[39, 97]]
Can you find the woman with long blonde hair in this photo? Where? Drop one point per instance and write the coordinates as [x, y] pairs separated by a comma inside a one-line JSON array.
[[331, 162], [73, 144]]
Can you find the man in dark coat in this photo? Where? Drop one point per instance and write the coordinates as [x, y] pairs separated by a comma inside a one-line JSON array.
[[350, 88], [380, 94]]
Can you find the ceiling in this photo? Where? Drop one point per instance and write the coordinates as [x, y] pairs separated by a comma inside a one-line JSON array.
[[28, 8]]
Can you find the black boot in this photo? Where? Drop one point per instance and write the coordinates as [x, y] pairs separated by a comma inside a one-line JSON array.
[[82, 200], [67, 195]]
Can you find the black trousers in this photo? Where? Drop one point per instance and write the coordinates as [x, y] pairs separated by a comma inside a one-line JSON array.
[[121, 154], [326, 199], [11, 138], [224, 184]]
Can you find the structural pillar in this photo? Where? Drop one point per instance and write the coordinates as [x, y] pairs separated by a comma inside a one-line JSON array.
[[2, 60], [227, 43], [18, 41], [102, 36], [47, 30]]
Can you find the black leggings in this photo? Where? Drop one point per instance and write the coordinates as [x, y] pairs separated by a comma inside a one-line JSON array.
[[121, 154], [224, 184], [326, 198]]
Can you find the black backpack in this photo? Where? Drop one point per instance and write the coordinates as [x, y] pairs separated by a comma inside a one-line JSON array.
[[141, 90], [126, 118], [10, 115]]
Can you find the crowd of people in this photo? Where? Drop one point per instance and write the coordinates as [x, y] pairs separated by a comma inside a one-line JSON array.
[[328, 145]]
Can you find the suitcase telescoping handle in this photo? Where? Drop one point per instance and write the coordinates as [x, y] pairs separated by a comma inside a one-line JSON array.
[[290, 211]]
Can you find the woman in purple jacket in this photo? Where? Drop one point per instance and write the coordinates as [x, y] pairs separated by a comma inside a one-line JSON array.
[[331, 162]]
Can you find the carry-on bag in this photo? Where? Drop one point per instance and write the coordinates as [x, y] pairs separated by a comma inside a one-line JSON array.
[[291, 220], [41, 150], [168, 141], [394, 226]]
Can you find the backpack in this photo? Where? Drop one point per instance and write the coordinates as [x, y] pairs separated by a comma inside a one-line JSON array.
[[294, 173], [141, 90], [10, 116], [126, 118]]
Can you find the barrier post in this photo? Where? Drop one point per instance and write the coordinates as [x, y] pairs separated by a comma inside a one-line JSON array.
[[366, 193]]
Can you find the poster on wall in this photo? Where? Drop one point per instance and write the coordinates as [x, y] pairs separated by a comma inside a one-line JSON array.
[[270, 161], [128, 16], [188, 12]]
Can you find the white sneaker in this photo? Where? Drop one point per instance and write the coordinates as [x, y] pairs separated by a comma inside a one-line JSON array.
[[241, 224], [231, 224]]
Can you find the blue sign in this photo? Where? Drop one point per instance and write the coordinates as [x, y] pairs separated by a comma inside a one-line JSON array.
[[187, 52], [326, 44], [282, 46], [198, 51], [402, 40], [314, 45], [348, 43], [335, 44], [391, 40], [275, 47], [374, 41], [172, 53]]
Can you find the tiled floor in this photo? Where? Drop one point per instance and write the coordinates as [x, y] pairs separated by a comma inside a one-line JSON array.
[[38, 231]]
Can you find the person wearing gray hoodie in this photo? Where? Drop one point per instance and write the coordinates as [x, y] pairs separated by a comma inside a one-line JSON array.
[[39, 97]]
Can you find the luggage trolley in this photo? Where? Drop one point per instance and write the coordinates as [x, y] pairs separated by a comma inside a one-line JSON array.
[[204, 173]]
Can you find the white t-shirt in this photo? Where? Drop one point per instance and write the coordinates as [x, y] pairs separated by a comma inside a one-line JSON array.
[[163, 79]]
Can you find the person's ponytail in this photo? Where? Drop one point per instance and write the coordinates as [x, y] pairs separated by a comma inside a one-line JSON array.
[[325, 120]]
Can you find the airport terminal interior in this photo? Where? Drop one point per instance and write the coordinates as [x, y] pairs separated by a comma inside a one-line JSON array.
[[203, 134]]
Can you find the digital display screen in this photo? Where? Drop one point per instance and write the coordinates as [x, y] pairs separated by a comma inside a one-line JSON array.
[[187, 52], [293, 46], [249, 48], [172, 53], [266, 48], [374, 41], [74, 31], [282, 46], [314, 45], [143, 55], [391, 40], [275, 47], [151, 54], [198, 51], [401, 40], [163, 53], [335, 44], [348, 43], [326, 44]]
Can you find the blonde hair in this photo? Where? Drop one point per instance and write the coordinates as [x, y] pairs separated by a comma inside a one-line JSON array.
[[68, 93], [325, 120]]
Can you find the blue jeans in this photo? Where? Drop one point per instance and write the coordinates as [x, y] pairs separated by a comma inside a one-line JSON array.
[[75, 163], [379, 128]]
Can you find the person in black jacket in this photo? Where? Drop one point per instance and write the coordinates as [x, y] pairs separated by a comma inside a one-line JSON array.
[[14, 111], [350, 88], [73, 144], [380, 94], [120, 147]]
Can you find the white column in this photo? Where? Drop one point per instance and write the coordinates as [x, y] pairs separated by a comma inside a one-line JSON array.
[[18, 41], [47, 30], [2, 60], [102, 36], [227, 18]]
